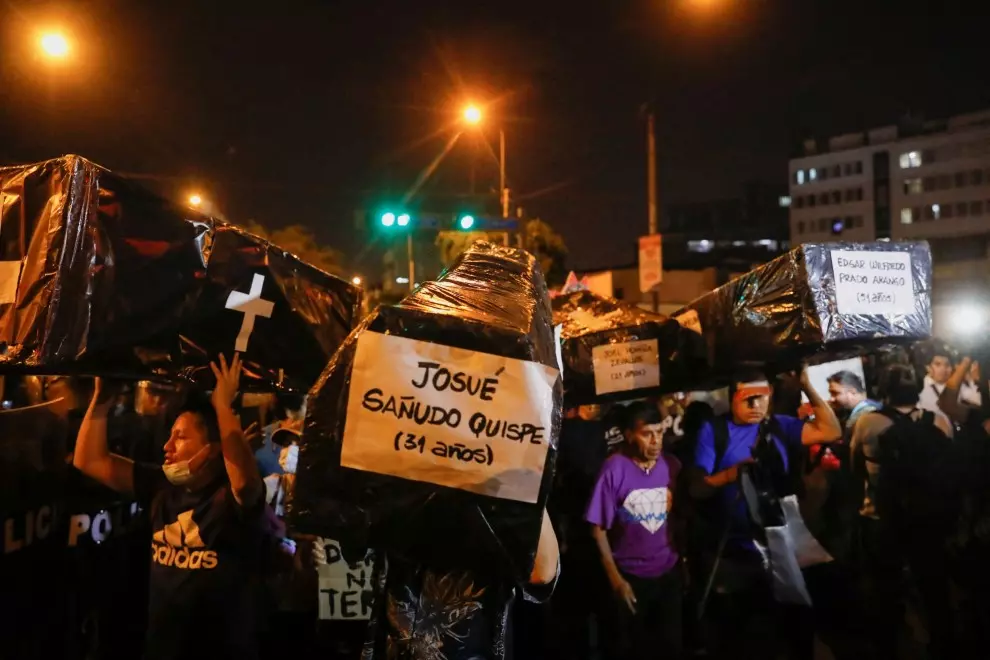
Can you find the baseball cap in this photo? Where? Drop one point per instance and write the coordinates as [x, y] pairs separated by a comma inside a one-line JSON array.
[[286, 435]]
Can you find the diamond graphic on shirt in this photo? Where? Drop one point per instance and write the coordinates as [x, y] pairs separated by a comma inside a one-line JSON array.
[[648, 507], [183, 532]]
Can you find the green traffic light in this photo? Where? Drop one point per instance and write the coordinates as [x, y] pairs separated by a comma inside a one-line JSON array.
[[467, 222], [388, 219], [403, 219]]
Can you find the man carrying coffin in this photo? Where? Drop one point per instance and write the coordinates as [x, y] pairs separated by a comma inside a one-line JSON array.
[[741, 600], [208, 523]]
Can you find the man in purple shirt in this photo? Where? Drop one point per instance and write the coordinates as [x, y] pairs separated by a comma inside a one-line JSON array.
[[629, 513]]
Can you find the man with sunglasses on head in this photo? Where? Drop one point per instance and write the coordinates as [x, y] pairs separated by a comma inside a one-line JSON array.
[[740, 589]]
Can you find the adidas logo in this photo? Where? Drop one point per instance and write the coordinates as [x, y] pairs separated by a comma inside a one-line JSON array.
[[174, 545]]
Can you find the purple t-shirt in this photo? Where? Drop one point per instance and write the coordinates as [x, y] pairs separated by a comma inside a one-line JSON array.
[[632, 506]]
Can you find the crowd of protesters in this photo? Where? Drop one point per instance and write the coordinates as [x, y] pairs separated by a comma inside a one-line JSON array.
[[654, 545], [676, 561]]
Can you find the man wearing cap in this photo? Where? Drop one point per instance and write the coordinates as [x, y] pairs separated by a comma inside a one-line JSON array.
[[285, 439], [741, 589]]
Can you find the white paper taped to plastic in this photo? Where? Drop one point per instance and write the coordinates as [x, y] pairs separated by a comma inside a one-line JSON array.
[[689, 320], [627, 366], [447, 416], [345, 589], [873, 282]]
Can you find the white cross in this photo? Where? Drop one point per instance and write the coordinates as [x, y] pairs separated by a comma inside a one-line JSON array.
[[252, 305]]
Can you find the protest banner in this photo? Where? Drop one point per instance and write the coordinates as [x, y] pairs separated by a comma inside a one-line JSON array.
[[345, 588], [452, 417]]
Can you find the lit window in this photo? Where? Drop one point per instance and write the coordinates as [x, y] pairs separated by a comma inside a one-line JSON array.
[[936, 211], [785, 201], [812, 174], [913, 186], [799, 177], [910, 159], [738, 243], [907, 217]]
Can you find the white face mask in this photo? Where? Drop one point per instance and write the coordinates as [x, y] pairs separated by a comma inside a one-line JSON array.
[[288, 458], [178, 474]]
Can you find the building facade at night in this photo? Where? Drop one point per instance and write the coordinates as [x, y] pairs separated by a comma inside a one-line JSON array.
[[733, 234]]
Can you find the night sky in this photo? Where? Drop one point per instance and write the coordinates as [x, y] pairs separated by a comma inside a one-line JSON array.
[[292, 111]]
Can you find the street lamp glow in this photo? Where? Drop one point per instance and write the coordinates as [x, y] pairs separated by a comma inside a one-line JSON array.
[[467, 222], [472, 114], [356, 281], [55, 45], [195, 200], [403, 219]]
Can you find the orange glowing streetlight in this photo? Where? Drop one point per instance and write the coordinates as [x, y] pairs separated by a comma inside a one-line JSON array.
[[472, 114], [195, 200], [54, 45]]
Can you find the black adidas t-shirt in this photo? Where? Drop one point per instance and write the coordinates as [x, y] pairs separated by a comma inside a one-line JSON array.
[[207, 553]]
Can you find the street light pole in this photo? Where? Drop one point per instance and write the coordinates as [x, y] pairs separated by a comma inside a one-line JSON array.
[[503, 191]]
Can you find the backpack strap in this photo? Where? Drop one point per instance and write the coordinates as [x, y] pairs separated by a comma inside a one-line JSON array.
[[720, 431]]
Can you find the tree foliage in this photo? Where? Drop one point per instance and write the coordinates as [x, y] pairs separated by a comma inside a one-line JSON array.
[[549, 248], [539, 239], [300, 241], [452, 244]]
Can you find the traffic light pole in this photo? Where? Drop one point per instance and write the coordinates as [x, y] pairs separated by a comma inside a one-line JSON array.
[[412, 262]]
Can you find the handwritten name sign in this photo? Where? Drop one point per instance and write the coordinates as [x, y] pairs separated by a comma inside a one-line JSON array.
[[345, 589], [628, 366], [873, 282], [448, 416]]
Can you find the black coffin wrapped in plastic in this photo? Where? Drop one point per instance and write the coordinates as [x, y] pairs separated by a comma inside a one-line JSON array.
[[99, 276], [612, 350], [835, 296], [383, 461]]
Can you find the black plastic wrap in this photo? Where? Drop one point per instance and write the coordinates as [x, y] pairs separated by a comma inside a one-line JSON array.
[[787, 310], [494, 301], [99, 276], [614, 351]]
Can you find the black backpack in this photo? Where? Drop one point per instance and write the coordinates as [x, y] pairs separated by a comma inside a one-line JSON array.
[[916, 484]]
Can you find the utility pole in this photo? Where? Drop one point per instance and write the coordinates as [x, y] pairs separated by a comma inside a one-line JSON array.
[[412, 261], [651, 167], [651, 184]]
